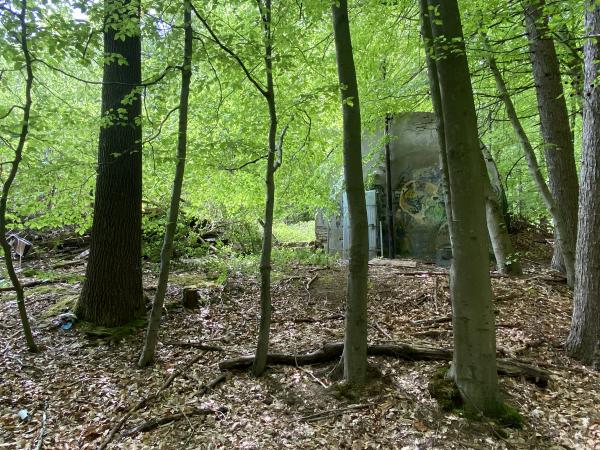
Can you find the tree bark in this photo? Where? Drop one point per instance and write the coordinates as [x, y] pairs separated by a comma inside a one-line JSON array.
[[112, 293], [262, 347], [14, 167], [530, 157], [496, 181], [355, 349], [507, 261], [167, 249], [474, 361], [556, 133], [436, 99], [389, 194], [584, 338]]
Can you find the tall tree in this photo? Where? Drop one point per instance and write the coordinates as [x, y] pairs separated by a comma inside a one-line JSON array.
[[274, 159], [474, 362], [112, 293], [556, 133], [528, 150], [584, 339], [355, 340], [262, 347], [167, 248], [14, 167]]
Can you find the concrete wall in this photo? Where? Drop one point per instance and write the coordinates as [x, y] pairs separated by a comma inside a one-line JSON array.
[[419, 214]]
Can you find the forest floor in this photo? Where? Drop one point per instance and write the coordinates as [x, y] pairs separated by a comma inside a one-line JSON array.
[[78, 388]]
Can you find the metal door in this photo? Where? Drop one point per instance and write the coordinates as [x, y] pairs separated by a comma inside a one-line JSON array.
[[371, 201]]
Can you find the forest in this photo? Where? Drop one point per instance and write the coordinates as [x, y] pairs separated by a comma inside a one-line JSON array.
[[299, 224]]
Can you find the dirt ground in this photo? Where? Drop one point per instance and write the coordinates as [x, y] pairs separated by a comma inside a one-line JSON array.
[[79, 387]]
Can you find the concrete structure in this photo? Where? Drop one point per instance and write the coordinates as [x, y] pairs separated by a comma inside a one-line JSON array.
[[419, 214]]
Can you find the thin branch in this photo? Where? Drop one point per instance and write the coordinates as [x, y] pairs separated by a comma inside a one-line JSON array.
[[231, 53], [160, 125], [155, 80], [254, 161], [13, 107], [279, 148]]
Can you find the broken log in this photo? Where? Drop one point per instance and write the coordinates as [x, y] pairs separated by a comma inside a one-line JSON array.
[[332, 351]]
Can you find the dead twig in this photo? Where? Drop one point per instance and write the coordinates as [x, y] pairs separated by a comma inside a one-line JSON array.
[[435, 320], [213, 383], [155, 423], [40, 441], [199, 345], [144, 401], [334, 412], [313, 376], [310, 282], [381, 330]]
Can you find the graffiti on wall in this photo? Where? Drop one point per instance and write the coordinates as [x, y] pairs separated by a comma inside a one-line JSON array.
[[420, 215]]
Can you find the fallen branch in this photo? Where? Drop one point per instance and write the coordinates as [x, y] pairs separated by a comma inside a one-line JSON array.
[[199, 345], [381, 330], [334, 412], [212, 384], [332, 351], [40, 442], [309, 319], [155, 423], [144, 401], [432, 321], [311, 281]]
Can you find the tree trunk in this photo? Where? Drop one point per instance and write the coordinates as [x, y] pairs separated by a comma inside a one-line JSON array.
[[355, 340], [389, 194], [436, 100], [474, 361], [506, 259], [14, 167], [530, 158], [496, 181], [112, 293], [167, 249], [584, 339], [262, 347], [556, 133]]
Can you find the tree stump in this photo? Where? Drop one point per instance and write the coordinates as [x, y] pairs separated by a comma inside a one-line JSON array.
[[190, 298]]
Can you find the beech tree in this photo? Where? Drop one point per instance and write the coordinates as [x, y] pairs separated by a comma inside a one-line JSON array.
[[22, 40], [112, 293], [474, 360], [355, 339], [556, 133], [506, 260], [167, 247], [274, 160], [583, 342]]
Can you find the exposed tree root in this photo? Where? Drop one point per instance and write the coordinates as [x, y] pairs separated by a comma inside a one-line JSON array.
[[332, 351]]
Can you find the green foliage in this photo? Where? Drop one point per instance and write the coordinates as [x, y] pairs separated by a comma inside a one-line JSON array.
[[228, 119], [295, 232]]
